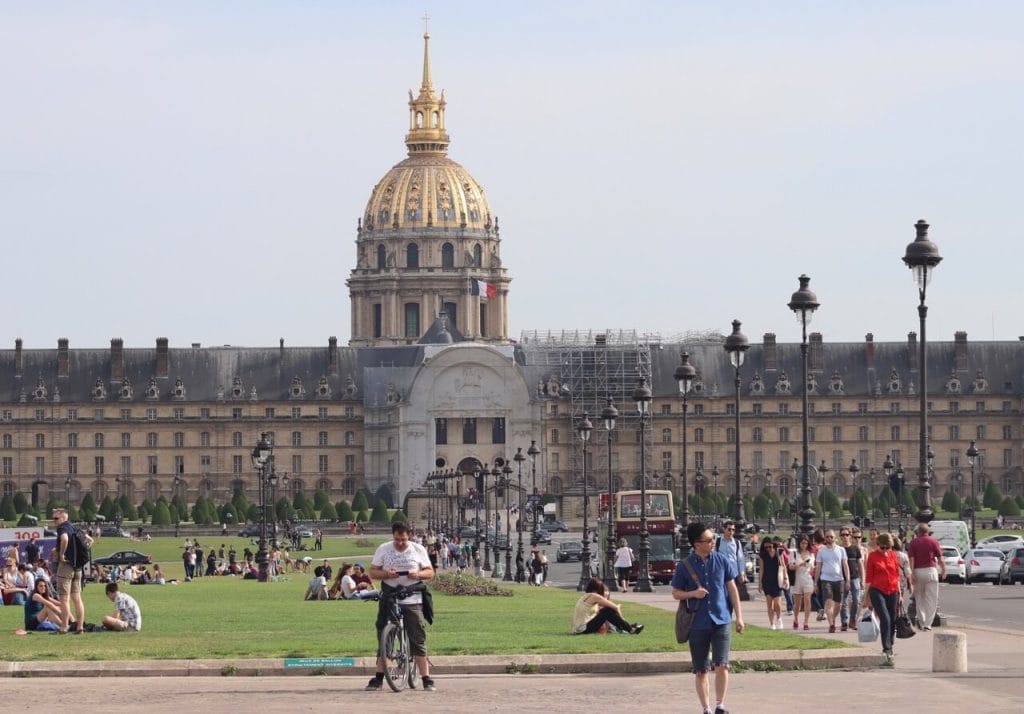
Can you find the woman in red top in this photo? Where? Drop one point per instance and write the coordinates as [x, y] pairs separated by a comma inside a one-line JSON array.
[[883, 589]]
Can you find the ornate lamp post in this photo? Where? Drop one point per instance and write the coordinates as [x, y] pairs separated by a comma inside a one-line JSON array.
[[972, 458], [771, 511], [506, 472], [642, 396], [608, 415], [479, 486], [854, 469], [737, 345], [262, 453], [496, 474], [803, 304], [888, 468], [520, 569], [685, 374], [532, 453], [921, 257], [822, 471], [698, 489], [583, 429], [714, 479]]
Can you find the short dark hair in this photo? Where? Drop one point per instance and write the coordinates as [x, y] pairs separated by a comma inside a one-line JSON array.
[[694, 531], [111, 588], [318, 570], [399, 527]]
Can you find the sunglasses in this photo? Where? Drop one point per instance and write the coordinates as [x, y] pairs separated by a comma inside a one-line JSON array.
[[845, 535]]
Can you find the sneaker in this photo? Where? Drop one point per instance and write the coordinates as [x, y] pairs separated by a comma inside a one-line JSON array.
[[845, 627], [721, 710], [806, 626], [428, 685], [821, 615], [831, 629], [375, 685], [637, 629]]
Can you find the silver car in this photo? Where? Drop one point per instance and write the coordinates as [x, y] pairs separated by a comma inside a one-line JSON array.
[[984, 564], [956, 569]]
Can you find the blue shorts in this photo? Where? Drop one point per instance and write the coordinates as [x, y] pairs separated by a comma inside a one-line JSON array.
[[709, 649]]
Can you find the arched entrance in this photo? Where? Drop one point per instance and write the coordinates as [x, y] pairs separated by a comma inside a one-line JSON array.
[[40, 494]]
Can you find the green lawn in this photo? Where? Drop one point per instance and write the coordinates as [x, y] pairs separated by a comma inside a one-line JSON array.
[[225, 617]]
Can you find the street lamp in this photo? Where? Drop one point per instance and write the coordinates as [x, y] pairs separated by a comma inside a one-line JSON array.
[[972, 458], [854, 469], [822, 470], [642, 396], [737, 345], [520, 570], [698, 490], [532, 453], [506, 472], [714, 479], [262, 454], [888, 468], [803, 304], [583, 429], [921, 257], [608, 415], [771, 511], [496, 474], [479, 485], [685, 374]]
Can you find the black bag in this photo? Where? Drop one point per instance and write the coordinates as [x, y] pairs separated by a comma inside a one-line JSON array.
[[79, 551], [904, 629], [685, 616], [742, 588]]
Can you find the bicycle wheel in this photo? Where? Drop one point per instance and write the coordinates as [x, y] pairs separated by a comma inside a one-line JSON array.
[[394, 648]]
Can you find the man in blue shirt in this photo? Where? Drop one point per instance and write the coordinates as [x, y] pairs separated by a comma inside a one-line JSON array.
[[709, 599]]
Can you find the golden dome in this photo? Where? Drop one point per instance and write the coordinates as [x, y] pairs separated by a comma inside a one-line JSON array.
[[427, 190]]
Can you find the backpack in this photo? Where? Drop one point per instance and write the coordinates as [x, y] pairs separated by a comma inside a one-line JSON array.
[[79, 549]]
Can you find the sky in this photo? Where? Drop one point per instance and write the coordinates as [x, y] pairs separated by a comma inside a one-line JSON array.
[[195, 170]]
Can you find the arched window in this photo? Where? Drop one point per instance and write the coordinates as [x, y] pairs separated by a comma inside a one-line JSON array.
[[419, 120], [323, 485], [348, 486], [382, 257], [412, 256], [555, 485], [99, 490], [478, 255], [435, 120], [447, 256], [412, 319]]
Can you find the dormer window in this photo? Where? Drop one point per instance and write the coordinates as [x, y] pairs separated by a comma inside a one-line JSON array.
[[236, 388], [99, 392]]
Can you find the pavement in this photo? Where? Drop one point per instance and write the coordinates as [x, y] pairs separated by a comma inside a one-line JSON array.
[[846, 680]]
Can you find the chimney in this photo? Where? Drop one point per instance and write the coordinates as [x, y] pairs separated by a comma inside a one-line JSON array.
[[960, 351], [869, 350], [912, 350], [816, 358], [771, 353], [63, 362], [332, 354], [116, 359], [19, 359], [601, 340], [163, 358], [282, 344]]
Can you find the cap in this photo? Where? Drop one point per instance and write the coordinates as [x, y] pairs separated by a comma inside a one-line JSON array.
[[360, 565]]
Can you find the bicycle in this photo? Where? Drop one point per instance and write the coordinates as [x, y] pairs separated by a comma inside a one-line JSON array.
[[399, 663]]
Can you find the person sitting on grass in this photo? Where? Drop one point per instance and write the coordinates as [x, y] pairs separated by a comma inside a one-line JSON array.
[[362, 578], [349, 589], [127, 615], [594, 611], [317, 589], [42, 610]]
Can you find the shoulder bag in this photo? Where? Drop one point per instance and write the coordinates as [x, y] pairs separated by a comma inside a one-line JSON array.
[[904, 628], [684, 615]]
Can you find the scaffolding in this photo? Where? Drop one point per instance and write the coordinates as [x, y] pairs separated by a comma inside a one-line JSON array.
[[593, 365]]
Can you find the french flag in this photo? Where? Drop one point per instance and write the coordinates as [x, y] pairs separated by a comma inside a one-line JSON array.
[[486, 291]]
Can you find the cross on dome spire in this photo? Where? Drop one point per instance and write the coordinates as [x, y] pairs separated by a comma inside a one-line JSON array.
[[427, 133]]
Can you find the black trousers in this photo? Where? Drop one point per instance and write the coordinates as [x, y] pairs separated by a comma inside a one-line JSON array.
[[609, 616]]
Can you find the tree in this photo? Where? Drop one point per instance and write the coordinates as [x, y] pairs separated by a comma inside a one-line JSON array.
[[173, 510], [992, 498], [299, 500], [87, 510], [7, 510], [398, 516], [228, 514], [327, 513], [128, 512], [359, 503], [320, 499], [161, 514], [762, 507], [362, 517], [203, 512], [344, 511], [182, 507], [20, 502], [886, 500], [384, 494], [108, 508], [951, 501], [1009, 507], [240, 502], [380, 512]]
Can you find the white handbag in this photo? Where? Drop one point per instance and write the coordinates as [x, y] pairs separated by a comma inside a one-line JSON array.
[[868, 629]]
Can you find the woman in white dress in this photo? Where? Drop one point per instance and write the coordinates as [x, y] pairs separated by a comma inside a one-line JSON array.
[[802, 565]]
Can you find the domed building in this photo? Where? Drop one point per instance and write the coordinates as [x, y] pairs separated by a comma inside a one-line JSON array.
[[427, 243]]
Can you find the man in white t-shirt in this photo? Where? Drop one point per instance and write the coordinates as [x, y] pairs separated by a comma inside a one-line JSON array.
[[401, 555], [832, 573], [127, 615]]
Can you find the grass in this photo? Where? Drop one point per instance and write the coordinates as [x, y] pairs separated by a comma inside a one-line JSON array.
[[227, 618]]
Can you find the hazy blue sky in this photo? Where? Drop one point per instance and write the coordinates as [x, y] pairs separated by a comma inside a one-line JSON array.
[[195, 170]]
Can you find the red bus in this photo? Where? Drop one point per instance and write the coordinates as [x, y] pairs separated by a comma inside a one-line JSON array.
[[661, 529]]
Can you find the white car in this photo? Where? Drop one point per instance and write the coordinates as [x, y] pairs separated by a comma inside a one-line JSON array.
[[1002, 541], [984, 564], [956, 569]]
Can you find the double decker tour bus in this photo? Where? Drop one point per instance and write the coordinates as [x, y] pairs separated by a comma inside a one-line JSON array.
[[661, 528]]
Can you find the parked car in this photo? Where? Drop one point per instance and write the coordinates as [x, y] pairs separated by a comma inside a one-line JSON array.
[[114, 532], [569, 550], [984, 564], [249, 532], [124, 557], [542, 536], [304, 531], [956, 570], [1015, 566], [1003, 541], [464, 532], [555, 526]]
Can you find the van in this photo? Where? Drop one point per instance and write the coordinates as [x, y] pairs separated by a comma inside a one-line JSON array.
[[953, 533]]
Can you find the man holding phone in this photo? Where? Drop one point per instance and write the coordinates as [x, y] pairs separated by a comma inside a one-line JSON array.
[[400, 563]]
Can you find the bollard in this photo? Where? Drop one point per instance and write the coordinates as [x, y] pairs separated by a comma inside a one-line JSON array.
[[949, 651]]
